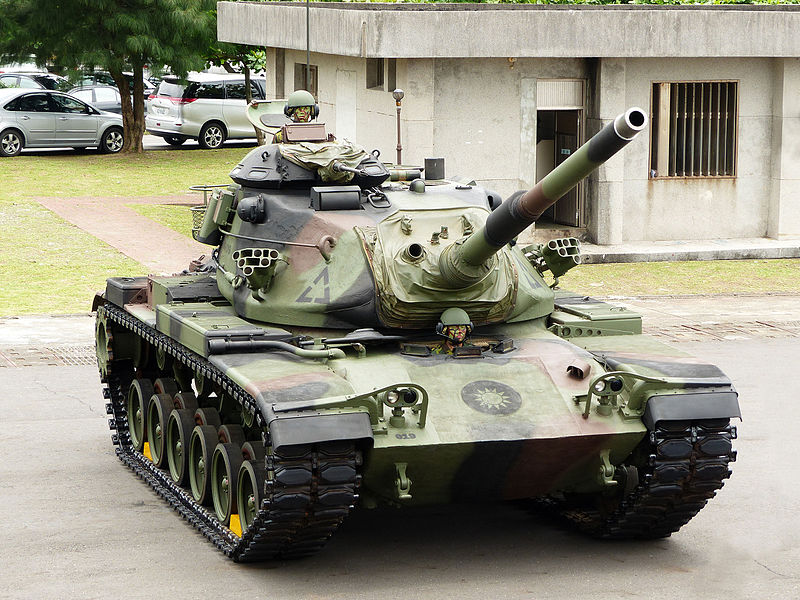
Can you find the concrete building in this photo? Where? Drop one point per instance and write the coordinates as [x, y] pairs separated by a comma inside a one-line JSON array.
[[504, 92]]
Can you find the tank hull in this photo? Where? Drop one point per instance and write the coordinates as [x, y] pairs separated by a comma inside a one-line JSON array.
[[499, 426]]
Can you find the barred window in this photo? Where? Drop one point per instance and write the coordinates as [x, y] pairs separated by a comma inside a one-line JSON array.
[[694, 129]]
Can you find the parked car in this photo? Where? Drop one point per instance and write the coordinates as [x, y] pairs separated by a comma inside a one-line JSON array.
[[105, 78], [33, 80], [210, 108], [44, 118], [103, 97]]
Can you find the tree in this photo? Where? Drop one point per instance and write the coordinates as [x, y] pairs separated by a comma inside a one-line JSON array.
[[235, 58], [117, 35]]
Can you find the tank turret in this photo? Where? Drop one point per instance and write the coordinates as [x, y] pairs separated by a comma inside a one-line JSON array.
[[464, 263]]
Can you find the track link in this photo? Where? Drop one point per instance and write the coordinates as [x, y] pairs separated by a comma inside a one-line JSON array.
[[686, 465], [308, 491]]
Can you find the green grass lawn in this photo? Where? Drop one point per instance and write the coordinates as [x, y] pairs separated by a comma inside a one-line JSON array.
[[152, 173], [48, 266], [689, 277]]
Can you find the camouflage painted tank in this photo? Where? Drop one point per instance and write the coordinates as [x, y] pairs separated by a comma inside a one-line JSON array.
[[359, 339]]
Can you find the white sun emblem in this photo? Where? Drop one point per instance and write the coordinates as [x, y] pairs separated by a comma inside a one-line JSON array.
[[492, 399]]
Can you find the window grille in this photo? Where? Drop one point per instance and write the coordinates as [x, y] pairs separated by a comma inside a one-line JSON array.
[[694, 129]]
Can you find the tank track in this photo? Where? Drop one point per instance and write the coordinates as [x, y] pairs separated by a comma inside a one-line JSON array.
[[307, 493], [686, 465]]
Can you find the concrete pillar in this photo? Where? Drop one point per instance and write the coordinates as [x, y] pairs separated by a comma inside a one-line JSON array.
[[607, 214], [784, 206]]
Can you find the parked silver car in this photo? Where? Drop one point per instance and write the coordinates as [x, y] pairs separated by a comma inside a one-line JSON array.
[[33, 80], [102, 97], [43, 118], [207, 107]]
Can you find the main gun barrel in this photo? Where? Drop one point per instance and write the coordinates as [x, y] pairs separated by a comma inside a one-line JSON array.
[[511, 218]]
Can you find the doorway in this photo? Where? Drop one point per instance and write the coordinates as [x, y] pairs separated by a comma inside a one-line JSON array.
[[558, 135]]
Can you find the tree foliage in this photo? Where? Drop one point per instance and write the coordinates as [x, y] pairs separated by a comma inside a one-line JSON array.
[[116, 35]]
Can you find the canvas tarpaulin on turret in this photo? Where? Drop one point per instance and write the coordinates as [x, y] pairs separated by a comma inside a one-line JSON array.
[[412, 293], [320, 156]]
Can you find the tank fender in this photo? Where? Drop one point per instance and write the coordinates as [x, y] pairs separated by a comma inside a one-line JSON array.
[[298, 430], [691, 407], [98, 300]]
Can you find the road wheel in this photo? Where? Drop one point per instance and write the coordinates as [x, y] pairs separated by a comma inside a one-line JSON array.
[[253, 451], [201, 448], [249, 492], [233, 434], [179, 434], [186, 400], [112, 141], [138, 397], [11, 142], [207, 416], [165, 385], [212, 135], [224, 476], [174, 140], [157, 421]]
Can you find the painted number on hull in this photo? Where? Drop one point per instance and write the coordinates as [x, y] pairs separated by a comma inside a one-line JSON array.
[[405, 436], [310, 294]]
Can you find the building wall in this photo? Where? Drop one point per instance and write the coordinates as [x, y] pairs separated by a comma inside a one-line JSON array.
[[485, 116], [699, 208]]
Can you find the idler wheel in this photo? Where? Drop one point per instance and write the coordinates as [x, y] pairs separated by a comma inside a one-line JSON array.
[[104, 346], [166, 385], [179, 435], [249, 492], [202, 385], [233, 434], [224, 476], [201, 449], [207, 416], [158, 411], [138, 397], [186, 400], [141, 353], [163, 360], [253, 451]]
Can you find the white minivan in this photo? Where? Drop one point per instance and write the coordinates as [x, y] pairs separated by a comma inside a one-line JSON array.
[[208, 107]]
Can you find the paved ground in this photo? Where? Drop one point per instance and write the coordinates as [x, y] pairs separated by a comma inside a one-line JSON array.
[[78, 525]]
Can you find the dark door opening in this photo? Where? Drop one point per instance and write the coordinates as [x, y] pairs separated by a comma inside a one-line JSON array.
[[558, 134]]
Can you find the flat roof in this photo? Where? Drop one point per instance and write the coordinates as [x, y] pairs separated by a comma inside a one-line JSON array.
[[378, 30]]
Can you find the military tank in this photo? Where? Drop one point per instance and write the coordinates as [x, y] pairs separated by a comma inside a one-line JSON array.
[[362, 339]]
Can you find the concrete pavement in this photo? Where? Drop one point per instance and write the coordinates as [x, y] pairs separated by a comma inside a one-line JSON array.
[[78, 525]]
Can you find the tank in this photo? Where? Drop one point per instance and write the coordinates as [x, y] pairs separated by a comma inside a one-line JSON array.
[[361, 340]]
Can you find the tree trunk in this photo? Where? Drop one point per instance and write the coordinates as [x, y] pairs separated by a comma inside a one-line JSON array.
[[138, 108], [132, 108], [127, 107]]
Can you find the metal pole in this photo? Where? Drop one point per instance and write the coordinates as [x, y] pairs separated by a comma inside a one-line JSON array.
[[308, 46], [398, 97]]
